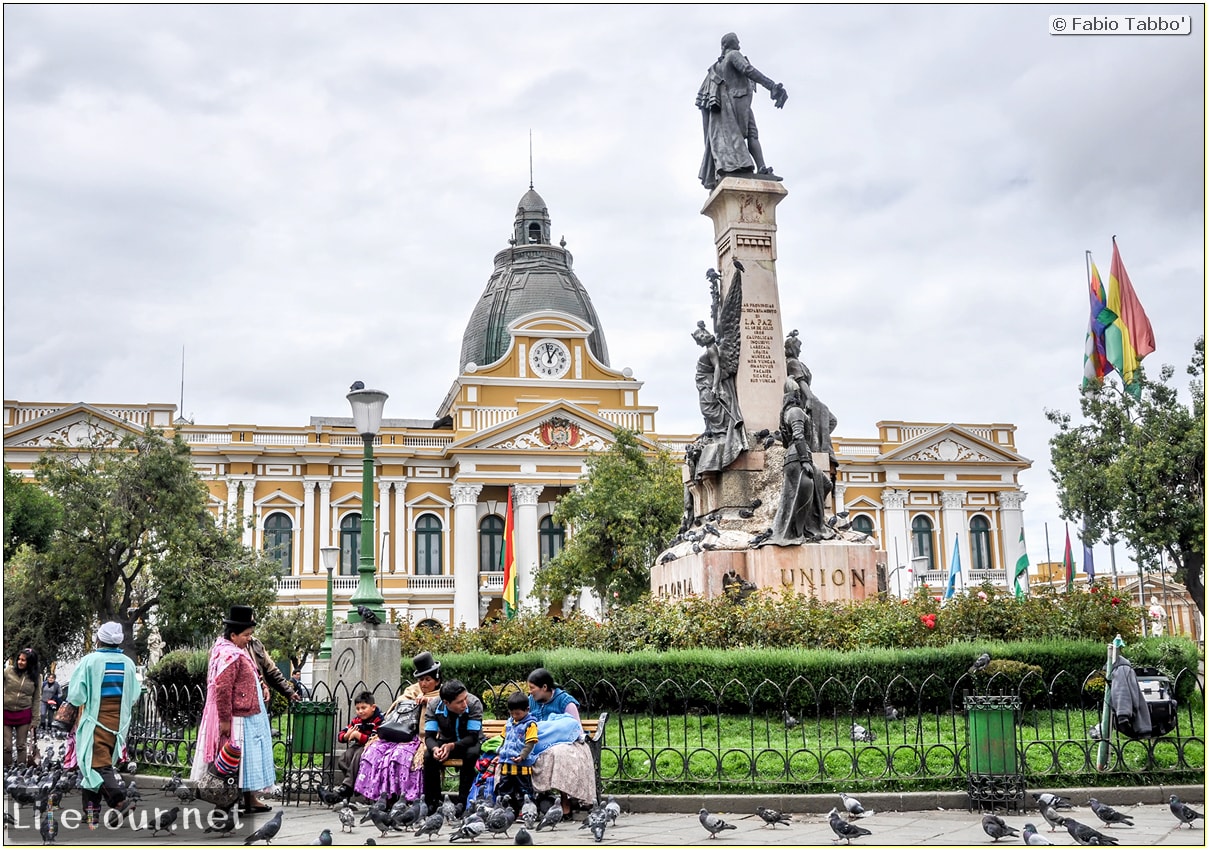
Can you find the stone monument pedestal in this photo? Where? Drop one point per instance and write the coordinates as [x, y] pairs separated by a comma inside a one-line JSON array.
[[831, 571], [365, 657]]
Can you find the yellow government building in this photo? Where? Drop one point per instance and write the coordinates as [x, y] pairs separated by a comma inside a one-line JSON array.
[[534, 397]]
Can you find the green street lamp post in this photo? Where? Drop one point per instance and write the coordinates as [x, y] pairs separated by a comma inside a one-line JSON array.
[[329, 556], [367, 419]]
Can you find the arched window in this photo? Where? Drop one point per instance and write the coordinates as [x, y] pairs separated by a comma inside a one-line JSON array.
[[921, 541], [350, 544], [428, 546], [980, 543], [279, 541], [552, 538], [863, 524], [535, 233], [491, 544]]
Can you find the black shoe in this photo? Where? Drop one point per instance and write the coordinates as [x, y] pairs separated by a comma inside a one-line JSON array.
[[345, 791]]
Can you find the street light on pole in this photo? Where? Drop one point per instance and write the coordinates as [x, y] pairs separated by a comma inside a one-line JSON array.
[[367, 419], [329, 556]]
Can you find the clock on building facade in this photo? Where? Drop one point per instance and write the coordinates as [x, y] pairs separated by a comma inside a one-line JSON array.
[[549, 358]]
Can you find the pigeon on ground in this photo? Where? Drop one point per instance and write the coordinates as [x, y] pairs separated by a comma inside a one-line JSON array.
[[891, 712], [222, 822], [523, 838], [994, 826], [49, 828], [347, 819], [843, 829], [1054, 801], [1093, 732], [500, 820], [472, 829], [772, 817], [1085, 835], [267, 831], [329, 797], [449, 810], [596, 821], [185, 794], [1033, 838], [1182, 812], [613, 810], [1051, 816], [980, 662], [553, 816], [382, 820], [528, 811], [368, 615], [790, 720], [166, 821], [861, 734], [172, 782], [431, 826], [712, 823], [1108, 814], [852, 806], [324, 839]]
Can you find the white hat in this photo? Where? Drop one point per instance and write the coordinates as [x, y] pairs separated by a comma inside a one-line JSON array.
[[111, 633]]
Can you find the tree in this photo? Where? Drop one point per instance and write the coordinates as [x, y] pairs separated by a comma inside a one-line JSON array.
[[138, 544], [31, 515], [294, 634], [622, 514], [1135, 471]]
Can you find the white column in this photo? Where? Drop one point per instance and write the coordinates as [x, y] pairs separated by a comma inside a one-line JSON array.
[[383, 527], [400, 526], [249, 497], [837, 497], [465, 554], [953, 502], [527, 549], [306, 534], [1011, 520], [897, 541], [325, 514], [232, 498]]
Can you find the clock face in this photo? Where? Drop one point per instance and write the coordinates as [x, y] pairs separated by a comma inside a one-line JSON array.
[[549, 358]]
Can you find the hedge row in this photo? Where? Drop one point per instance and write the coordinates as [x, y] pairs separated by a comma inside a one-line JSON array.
[[777, 620], [1045, 673]]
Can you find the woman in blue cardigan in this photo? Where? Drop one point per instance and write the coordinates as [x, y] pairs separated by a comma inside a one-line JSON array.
[[567, 767]]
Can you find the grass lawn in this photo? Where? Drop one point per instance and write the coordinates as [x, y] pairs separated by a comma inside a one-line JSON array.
[[755, 753]]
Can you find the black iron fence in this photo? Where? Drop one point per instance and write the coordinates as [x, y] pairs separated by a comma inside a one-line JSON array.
[[795, 737]]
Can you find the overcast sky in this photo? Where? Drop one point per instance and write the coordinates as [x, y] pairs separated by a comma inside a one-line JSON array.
[[302, 196]]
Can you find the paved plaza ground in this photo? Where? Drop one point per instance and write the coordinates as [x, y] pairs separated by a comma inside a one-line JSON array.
[[898, 820]]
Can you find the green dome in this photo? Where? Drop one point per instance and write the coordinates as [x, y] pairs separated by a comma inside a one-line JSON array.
[[530, 275]]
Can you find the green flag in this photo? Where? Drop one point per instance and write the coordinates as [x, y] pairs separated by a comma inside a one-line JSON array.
[[1021, 569]]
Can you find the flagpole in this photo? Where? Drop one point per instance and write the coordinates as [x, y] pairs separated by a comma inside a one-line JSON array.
[[1048, 559]]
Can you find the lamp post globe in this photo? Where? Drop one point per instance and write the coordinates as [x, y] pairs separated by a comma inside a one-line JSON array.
[[329, 556], [367, 419]]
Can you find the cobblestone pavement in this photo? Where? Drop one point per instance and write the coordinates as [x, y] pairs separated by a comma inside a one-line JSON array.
[[897, 820]]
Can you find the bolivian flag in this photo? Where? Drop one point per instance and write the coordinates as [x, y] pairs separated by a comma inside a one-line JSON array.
[[509, 558]]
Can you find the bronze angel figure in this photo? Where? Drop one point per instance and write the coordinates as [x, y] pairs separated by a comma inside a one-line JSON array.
[[724, 437]]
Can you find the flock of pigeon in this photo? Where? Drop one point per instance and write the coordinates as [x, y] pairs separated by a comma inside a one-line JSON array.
[[1051, 808], [43, 786], [484, 817]]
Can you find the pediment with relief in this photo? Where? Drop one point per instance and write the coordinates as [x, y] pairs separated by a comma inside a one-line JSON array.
[[557, 426], [950, 451], [952, 444], [82, 428]]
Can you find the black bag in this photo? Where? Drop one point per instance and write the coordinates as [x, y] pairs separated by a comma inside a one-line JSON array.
[[402, 723]]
